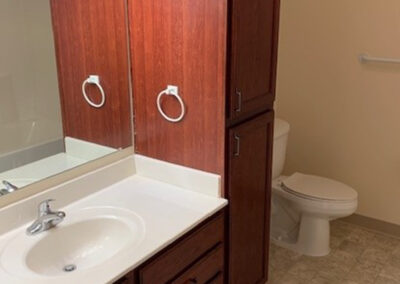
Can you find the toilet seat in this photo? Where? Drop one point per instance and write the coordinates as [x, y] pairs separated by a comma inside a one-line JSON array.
[[318, 188]]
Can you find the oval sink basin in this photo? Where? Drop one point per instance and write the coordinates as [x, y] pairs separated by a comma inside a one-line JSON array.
[[83, 245], [89, 238]]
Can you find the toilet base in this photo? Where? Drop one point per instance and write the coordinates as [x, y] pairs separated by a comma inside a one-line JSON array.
[[313, 237]]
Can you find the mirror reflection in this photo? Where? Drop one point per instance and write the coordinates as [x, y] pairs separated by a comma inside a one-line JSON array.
[[57, 111]]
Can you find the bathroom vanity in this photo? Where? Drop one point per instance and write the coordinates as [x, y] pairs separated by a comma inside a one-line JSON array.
[[138, 217]]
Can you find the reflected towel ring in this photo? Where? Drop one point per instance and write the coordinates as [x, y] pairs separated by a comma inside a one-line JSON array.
[[95, 80], [171, 91]]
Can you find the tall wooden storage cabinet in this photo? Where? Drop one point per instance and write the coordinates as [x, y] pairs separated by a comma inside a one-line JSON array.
[[221, 54]]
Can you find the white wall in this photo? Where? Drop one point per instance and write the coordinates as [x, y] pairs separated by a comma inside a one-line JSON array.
[[28, 73], [345, 116]]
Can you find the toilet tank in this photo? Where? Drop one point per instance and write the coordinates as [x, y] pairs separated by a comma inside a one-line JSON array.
[[281, 134]]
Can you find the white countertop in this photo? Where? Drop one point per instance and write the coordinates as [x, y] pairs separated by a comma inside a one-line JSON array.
[[167, 211]]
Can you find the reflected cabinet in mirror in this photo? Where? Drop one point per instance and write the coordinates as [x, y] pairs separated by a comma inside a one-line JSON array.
[[64, 87]]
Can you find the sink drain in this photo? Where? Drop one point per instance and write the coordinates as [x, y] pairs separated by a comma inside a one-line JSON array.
[[69, 268]]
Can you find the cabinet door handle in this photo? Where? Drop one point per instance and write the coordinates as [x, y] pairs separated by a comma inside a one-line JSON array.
[[237, 143], [239, 103]]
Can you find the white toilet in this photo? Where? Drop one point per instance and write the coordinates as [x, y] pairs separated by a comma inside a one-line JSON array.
[[303, 205]]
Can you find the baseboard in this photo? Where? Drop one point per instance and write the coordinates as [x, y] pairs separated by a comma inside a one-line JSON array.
[[374, 224]]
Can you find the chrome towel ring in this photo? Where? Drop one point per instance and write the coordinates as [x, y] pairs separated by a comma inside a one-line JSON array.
[[171, 91], [95, 80]]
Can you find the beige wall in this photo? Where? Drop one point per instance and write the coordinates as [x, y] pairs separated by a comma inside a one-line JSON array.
[[345, 116], [28, 74]]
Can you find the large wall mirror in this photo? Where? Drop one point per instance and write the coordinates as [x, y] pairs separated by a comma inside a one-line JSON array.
[[64, 88]]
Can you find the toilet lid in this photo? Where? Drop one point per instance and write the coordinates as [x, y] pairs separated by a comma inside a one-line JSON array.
[[318, 188]]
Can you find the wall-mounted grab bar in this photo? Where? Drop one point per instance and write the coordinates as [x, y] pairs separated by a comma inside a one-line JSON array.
[[365, 58]]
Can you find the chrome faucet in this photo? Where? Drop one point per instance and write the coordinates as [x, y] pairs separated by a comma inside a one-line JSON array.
[[47, 219], [8, 188]]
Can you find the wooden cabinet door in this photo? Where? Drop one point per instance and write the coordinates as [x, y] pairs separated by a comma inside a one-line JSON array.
[[180, 43], [91, 39], [253, 56], [249, 195]]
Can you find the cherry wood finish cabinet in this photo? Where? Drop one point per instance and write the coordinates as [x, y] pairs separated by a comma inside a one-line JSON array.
[[196, 258], [222, 55], [249, 194], [91, 39], [252, 54]]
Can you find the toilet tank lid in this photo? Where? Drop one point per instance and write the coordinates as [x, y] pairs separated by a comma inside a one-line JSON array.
[[319, 187], [281, 127]]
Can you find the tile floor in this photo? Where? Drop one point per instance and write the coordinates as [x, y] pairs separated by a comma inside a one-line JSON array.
[[358, 256]]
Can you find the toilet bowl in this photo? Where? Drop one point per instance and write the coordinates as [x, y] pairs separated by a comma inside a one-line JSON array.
[[303, 205]]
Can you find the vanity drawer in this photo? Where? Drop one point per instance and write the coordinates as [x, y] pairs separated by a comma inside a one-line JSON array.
[[186, 253], [207, 270]]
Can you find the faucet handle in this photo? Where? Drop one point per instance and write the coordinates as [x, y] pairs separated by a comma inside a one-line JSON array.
[[44, 207]]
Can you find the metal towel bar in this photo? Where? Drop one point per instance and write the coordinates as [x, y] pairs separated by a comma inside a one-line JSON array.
[[365, 58]]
